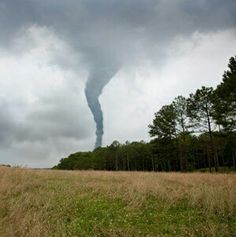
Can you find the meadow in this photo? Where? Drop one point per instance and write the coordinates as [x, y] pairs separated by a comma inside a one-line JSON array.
[[44, 203]]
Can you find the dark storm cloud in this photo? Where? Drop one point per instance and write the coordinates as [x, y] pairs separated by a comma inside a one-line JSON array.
[[103, 31], [112, 33], [116, 31], [76, 20]]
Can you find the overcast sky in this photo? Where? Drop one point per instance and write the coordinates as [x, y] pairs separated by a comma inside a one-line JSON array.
[[139, 54]]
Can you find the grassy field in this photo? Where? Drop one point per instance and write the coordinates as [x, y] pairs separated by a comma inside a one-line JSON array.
[[89, 203]]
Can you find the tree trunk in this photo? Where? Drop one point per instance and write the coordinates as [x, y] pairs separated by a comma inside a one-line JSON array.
[[116, 161], [181, 159], [128, 162], [212, 145], [153, 165], [169, 166], [234, 159], [216, 159], [209, 159]]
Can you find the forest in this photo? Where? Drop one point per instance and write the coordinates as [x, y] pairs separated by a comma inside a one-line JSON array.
[[194, 133]]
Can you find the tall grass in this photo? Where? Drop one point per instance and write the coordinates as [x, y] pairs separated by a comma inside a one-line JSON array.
[[96, 203]]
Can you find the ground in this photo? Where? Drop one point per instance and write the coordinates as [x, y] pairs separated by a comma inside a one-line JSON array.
[[98, 203]]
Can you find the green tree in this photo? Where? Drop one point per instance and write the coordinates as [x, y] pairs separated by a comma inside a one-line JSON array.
[[164, 128], [201, 110], [164, 123], [114, 147], [225, 106], [180, 105], [225, 98]]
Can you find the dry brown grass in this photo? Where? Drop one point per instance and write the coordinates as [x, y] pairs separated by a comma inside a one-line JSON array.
[[32, 202]]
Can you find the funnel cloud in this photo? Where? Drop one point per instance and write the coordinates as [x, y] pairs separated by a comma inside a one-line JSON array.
[[97, 79]]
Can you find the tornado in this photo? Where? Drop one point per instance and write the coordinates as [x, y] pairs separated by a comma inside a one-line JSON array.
[[97, 80]]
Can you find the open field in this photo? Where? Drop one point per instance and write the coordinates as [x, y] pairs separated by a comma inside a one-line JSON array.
[[95, 203]]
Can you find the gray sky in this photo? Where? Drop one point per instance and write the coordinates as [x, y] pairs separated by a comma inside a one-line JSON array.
[[152, 50]]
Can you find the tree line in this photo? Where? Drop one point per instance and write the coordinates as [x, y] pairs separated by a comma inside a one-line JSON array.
[[191, 133]]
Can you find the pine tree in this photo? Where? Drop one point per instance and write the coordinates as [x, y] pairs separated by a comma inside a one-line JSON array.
[[182, 128], [225, 105], [201, 110], [225, 98]]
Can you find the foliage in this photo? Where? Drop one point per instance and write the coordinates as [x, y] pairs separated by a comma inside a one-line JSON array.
[[182, 118], [200, 109], [164, 123], [225, 95]]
